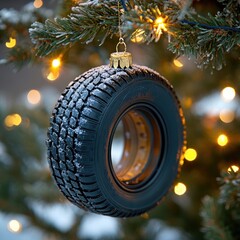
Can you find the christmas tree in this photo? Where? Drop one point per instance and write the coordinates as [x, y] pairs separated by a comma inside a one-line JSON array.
[[194, 44]]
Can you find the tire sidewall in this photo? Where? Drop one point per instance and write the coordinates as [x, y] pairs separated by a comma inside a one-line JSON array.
[[154, 92]]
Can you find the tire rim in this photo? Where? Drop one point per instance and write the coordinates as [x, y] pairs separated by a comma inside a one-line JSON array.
[[138, 136]]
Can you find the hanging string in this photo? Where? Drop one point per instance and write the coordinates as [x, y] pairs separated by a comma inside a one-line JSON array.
[[121, 39], [119, 21]]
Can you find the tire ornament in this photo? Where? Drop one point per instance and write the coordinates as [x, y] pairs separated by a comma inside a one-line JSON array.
[[122, 99]]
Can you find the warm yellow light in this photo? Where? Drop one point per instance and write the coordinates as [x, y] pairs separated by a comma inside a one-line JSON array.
[[228, 94], [177, 63], [187, 101], [56, 63], [180, 189], [11, 43], [38, 3], [138, 36], [13, 120], [34, 96], [222, 140], [159, 26], [159, 20], [233, 168], [17, 119], [52, 76], [14, 226], [190, 154], [226, 116]]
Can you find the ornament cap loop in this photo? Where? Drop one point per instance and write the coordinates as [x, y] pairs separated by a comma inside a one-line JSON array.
[[121, 60], [121, 42]]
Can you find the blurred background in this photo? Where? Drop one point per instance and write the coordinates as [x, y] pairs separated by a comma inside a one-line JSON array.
[[30, 203]]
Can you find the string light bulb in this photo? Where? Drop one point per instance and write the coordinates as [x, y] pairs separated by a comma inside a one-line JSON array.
[[226, 116], [228, 94], [14, 226], [138, 36], [159, 25], [177, 63], [11, 43], [180, 189], [34, 96], [12, 120], [53, 75], [38, 3], [56, 63], [222, 140], [190, 154], [233, 168]]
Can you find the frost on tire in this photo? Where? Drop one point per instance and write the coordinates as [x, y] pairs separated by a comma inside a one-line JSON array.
[[83, 126]]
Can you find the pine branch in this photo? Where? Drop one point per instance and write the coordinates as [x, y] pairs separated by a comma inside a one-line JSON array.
[[213, 221], [206, 39], [84, 24], [221, 217], [14, 22]]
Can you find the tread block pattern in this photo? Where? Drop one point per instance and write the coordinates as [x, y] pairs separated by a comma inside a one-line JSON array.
[[73, 129]]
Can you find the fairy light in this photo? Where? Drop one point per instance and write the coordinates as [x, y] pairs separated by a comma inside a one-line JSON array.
[[190, 154], [226, 116], [233, 168], [12, 120], [53, 75], [11, 43], [180, 188], [14, 226], [222, 140], [159, 26], [38, 3], [187, 102], [177, 63], [34, 96], [138, 36], [228, 94], [56, 63]]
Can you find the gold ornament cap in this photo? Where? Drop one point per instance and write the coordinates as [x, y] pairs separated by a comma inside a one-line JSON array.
[[121, 59]]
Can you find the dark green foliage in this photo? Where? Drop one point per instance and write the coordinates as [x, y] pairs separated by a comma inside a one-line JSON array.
[[221, 216], [25, 177], [86, 22], [207, 39]]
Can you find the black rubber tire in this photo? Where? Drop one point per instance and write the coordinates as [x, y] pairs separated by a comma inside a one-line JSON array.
[[81, 130]]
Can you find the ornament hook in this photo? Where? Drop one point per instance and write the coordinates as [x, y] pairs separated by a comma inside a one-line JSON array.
[[120, 59], [121, 42]]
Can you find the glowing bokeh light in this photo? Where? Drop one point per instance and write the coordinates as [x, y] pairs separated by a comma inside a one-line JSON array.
[[159, 26], [177, 63], [226, 116], [52, 76], [160, 22], [180, 189], [233, 168], [34, 96], [222, 140], [190, 154], [228, 94], [56, 63], [12, 120], [138, 36], [11, 43], [38, 3], [14, 226]]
